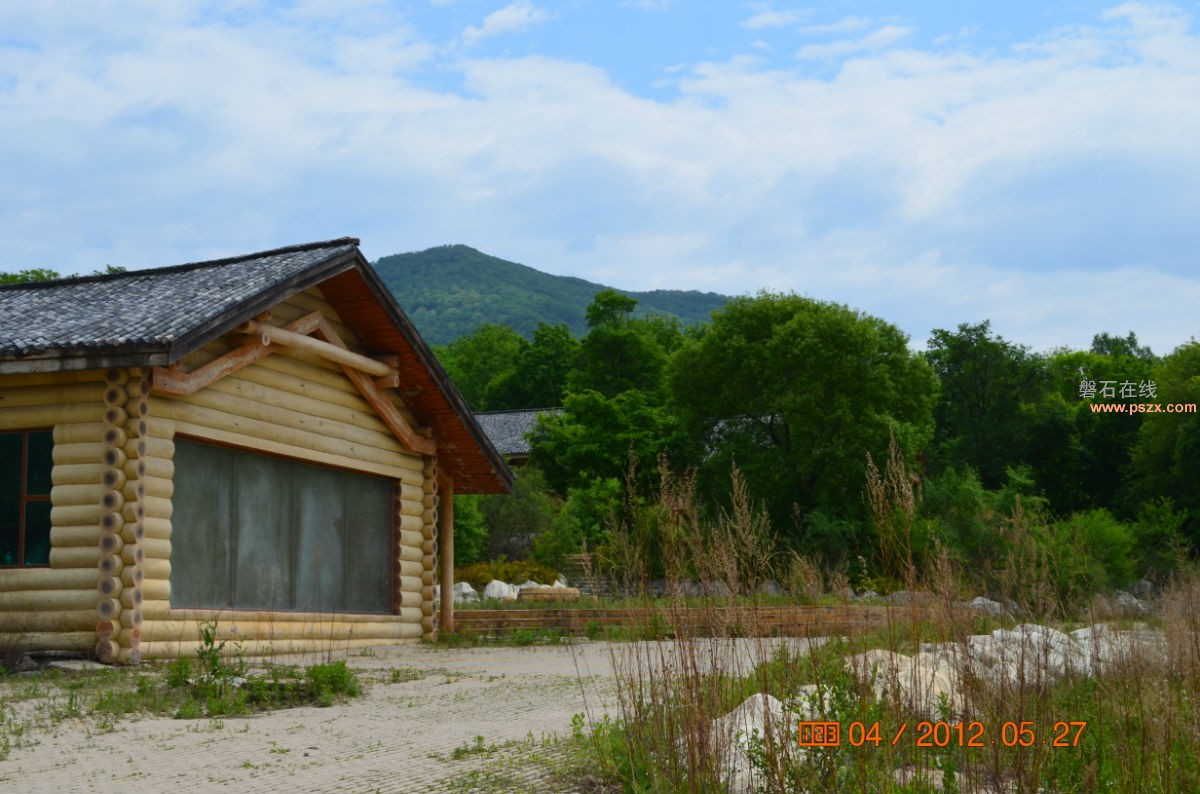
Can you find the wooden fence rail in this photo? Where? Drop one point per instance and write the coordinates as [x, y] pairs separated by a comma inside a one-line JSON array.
[[749, 621]]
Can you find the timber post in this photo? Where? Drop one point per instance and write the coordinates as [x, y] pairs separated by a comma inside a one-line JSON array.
[[446, 552]]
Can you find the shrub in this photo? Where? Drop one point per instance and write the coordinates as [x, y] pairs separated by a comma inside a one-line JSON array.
[[513, 571]]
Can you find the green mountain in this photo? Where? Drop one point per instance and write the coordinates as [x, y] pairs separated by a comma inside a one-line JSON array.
[[451, 290]]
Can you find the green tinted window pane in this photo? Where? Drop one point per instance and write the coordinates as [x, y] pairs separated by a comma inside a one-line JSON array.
[[10, 496], [9, 533], [10, 471], [37, 481], [37, 533]]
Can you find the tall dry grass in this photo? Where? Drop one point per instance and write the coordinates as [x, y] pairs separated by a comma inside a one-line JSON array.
[[1121, 715]]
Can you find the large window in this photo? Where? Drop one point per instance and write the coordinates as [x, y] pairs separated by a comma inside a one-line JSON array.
[[25, 464], [258, 532]]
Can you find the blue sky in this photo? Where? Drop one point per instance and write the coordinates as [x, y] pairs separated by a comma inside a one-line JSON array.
[[1036, 164]]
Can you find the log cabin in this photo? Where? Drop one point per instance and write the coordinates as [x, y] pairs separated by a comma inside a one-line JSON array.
[[264, 442]]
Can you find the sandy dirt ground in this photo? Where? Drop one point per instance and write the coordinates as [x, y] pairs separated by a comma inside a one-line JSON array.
[[501, 708]]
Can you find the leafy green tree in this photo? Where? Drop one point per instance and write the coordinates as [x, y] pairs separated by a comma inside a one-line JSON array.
[[477, 359], [1166, 456], [797, 392], [515, 520], [619, 353], [984, 381], [596, 437], [538, 377], [27, 276]]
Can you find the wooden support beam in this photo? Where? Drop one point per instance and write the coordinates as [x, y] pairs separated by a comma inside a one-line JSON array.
[[326, 348], [446, 548]]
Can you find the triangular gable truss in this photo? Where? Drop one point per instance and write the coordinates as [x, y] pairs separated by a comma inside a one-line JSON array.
[[311, 333]]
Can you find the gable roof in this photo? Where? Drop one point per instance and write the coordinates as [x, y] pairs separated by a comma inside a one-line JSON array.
[[508, 430], [155, 317]]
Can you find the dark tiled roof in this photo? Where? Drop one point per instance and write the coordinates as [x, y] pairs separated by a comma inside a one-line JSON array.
[[507, 429], [153, 316]]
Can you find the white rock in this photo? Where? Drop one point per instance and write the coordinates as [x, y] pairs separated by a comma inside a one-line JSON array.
[[529, 583], [464, 592], [737, 735], [497, 589], [561, 581]]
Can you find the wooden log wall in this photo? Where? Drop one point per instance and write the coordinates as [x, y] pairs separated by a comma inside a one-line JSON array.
[[291, 404], [55, 608], [429, 527]]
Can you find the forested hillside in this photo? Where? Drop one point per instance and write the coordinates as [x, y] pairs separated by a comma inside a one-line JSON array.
[[451, 290]]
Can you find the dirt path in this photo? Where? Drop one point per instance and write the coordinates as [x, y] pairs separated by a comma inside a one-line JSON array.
[[469, 720]]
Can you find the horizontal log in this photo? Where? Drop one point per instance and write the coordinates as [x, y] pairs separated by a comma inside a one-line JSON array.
[[159, 427], [410, 508], [426, 578], [156, 527], [111, 543], [158, 446], [132, 576], [112, 522], [154, 506], [361, 416], [163, 468], [411, 537], [288, 415], [78, 494], [108, 609], [132, 531], [426, 594], [81, 432], [153, 486], [48, 600], [48, 620], [316, 648], [410, 523], [82, 535], [35, 416], [410, 569], [21, 579], [106, 650], [20, 379], [344, 395], [248, 631], [156, 568], [407, 598], [155, 609], [114, 415], [429, 548], [80, 641], [156, 548], [110, 565], [410, 553], [75, 557], [51, 395], [110, 586], [80, 473], [116, 376], [342, 461], [132, 554]]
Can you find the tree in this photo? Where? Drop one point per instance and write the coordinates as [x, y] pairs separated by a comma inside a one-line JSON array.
[[27, 276], [984, 381], [477, 359], [1166, 456], [797, 392], [538, 377]]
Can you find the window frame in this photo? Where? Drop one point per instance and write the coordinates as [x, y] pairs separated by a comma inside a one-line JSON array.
[[24, 497]]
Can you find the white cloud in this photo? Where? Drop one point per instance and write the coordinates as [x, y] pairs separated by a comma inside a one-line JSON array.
[[880, 39], [774, 19], [515, 18], [907, 183]]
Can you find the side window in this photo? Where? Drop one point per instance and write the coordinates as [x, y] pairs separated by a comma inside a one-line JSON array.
[[25, 463]]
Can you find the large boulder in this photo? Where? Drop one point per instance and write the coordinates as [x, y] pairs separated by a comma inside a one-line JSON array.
[[501, 591], [463, 592], [739, 736]]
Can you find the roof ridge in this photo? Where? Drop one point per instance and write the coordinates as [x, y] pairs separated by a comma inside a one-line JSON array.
[[152, 271]]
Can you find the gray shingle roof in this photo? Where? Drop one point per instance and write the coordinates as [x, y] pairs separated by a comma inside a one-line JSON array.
[[507, 429], [152, 317]]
